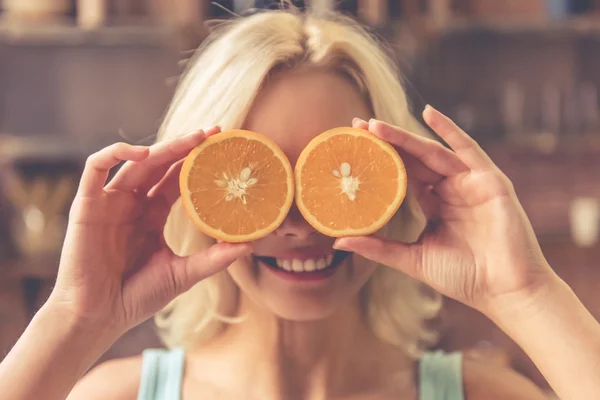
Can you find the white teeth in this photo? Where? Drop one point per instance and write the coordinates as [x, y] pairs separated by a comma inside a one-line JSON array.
[[286, 264], [321, 263], [310, 265], [297, 266]]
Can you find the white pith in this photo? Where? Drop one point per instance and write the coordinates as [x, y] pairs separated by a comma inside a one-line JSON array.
[[237, 186], [348, 184]]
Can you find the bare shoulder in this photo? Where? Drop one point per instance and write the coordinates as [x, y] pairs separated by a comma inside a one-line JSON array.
[[484, 381], [113, 380]]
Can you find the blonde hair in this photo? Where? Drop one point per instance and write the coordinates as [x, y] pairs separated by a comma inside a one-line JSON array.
[[219, 87]]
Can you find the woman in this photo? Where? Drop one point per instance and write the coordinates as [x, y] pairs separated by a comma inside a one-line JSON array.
[[246, 333]]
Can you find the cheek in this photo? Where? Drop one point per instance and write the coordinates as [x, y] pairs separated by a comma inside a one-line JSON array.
[[363, 269], [243, 273]]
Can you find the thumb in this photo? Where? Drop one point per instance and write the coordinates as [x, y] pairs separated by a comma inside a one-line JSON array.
[[188, 271], [403, 257], [166, 276]]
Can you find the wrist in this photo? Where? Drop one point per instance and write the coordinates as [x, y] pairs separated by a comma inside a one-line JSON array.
[[64, 321], [556, 332], [526, 302], [53, 353]]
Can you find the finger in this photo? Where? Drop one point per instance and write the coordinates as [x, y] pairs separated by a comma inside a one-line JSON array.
[[418, 171], [167, 172], [431, 153], [99, 164], [465, 147], [164, 275], [168, 187], [135, 176], [187, 271], [360, 124], [415, 168], [404, 257]]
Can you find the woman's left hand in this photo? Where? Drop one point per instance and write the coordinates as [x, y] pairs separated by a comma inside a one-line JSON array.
[[479, 245]]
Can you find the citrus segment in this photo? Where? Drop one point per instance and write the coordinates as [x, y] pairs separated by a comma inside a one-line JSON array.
[[237, 186], [349, 182]]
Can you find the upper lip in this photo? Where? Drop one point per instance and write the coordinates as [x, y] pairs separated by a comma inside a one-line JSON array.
[[300, 254]]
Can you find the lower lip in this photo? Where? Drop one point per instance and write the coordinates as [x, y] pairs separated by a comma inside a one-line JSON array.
[[303, 276]]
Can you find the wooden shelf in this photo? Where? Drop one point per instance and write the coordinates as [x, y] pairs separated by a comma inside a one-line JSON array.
[[69, 34], [568, 27], [47, 147]]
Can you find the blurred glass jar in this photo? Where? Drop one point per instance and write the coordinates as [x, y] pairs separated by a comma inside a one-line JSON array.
[[39, 220]]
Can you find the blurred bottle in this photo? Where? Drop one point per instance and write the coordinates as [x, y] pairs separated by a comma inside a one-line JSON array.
[[91, 14], [584, 218], [440, 12], [588, 102], [572, 112], [580, 106], [513, 111], [547, 137], [550, 108]]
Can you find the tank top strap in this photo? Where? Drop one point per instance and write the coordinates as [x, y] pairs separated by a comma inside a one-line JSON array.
[[162, 374], [440, 376]]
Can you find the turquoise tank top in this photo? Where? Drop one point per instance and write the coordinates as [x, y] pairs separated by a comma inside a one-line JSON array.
[[440, 375]]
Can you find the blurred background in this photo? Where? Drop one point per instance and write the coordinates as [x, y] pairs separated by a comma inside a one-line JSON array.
[[521, 76]]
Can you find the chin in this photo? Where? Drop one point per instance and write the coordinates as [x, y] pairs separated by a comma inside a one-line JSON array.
[[301, 288]]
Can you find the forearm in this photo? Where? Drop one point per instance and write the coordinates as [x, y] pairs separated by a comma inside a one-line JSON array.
[[559, 334], [50, 357]]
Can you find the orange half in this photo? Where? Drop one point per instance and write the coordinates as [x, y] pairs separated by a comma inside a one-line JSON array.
[[237, 186], [349, 182]]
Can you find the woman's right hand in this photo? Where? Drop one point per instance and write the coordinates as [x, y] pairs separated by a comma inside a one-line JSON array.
[[115, 269]]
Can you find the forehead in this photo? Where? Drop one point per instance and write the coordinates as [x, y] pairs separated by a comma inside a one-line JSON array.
[[297, 105]]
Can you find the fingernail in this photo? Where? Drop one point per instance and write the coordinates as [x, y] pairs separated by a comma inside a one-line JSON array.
[[195, 132], [430, 107], [372, 123], [140, 148], [213, 130], [357, 121], [339, 245]]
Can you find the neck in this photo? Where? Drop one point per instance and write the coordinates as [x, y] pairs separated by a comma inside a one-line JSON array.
[[330, 357]]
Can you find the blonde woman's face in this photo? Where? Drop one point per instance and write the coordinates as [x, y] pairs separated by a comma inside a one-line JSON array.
[[293, 108]]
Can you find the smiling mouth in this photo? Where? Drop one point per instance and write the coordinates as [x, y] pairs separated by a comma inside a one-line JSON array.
[[324, 264]]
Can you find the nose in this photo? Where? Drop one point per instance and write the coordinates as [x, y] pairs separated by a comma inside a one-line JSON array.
[[294, 226]]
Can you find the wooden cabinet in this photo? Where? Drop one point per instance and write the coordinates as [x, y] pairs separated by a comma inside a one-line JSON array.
[[66, 93]]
